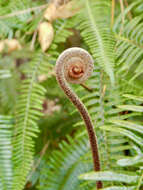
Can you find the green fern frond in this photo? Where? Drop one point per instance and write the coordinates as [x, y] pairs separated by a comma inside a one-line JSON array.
[[95, 30], [129, 45], [135, 5], [131, 128], [6, 167], [28, 111], [128, 178], [65, 165], [16, 19], [129, 49]]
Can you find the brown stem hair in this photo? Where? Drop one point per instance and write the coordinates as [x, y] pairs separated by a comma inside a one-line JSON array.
[[75, 65]]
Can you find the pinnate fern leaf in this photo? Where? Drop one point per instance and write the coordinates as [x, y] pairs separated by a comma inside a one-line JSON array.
[[65, 165], [95, 30], [28, 112], [129, 49]]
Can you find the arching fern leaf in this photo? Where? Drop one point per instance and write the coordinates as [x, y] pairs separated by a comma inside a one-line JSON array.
[[95, 30], [65, 165], [129, 49], [28, 111]]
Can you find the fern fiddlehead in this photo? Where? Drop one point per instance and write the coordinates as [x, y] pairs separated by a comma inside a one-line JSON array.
[[75, 65]]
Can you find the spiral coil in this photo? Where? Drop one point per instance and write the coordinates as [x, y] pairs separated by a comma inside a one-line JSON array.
[[77, 65]]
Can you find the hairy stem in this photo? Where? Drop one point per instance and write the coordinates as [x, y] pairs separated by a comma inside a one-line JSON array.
[[84, 113]]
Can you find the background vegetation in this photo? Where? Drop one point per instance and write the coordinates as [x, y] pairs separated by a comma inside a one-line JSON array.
[[43, 141]]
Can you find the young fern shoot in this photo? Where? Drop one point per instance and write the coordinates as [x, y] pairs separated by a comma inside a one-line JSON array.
[[75, 65]]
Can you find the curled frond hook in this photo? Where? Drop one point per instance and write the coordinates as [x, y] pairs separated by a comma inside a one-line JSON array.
[[75, 65]]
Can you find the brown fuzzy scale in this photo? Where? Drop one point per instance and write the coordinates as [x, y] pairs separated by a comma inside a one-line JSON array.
[[65, 70]]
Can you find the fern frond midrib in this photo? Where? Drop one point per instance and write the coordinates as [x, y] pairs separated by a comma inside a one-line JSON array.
[[28, 105], [94, 26]]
